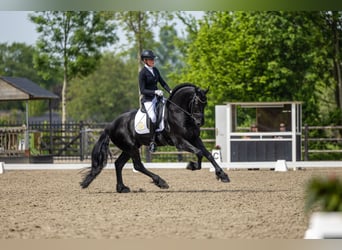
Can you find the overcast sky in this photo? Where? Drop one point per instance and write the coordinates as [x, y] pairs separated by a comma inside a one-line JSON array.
[[16, 27]]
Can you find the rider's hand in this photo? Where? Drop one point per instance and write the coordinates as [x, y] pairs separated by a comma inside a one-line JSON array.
[[158, 92]]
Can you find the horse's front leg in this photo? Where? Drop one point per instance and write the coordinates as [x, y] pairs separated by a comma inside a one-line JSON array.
[[220, 174], [195, 165], [187, 146]]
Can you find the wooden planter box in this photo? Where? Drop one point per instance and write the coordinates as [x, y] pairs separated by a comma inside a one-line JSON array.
[[14, 159], [41, 159]]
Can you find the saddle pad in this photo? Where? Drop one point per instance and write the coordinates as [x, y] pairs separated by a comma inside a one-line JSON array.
[[141, 120], [140, 123]]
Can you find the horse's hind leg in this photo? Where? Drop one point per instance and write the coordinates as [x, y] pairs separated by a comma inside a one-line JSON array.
[[157, 180], [119, 164]]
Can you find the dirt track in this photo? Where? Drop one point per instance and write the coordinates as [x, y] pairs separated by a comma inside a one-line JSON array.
[[256, 204]]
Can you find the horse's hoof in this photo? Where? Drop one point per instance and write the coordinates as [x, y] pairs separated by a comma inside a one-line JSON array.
[[164, 186], [161, 183], [223, 177], [123, 189], [192, 166]]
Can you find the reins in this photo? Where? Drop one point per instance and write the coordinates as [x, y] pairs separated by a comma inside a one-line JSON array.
[[195, 97], [184, 111]]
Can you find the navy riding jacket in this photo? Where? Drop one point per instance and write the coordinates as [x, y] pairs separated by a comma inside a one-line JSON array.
[[148, 83]]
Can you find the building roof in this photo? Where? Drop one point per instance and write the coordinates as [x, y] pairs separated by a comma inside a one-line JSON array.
[[18, 88]]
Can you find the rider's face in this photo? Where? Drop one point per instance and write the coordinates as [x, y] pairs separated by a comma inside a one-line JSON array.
[[150, 62]]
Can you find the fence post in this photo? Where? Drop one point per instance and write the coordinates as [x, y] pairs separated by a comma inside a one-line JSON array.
[[148, 154], [81, 140], [306, 142], [179, 156], [50, 128]]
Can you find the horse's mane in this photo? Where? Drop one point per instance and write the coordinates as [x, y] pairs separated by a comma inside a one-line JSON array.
[[180, 86]]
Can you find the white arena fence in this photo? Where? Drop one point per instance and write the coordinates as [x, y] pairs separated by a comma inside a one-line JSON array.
[[182, 165], [319, 143]]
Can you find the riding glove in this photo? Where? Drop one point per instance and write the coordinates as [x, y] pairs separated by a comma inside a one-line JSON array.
[[158, 92]]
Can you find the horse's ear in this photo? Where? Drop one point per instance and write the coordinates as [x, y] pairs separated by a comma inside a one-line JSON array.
[[207, 90]]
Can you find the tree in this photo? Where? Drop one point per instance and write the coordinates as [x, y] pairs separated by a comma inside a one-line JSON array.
[[16, 60], [140, 27], [169, 53], [330, 23], [258, 56], [71, 42], [177, 46], [108, 91]]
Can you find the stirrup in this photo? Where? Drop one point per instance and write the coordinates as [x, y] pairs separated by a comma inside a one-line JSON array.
[[153, 147]]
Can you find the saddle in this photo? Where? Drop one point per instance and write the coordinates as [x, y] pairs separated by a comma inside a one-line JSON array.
[[142, 123]]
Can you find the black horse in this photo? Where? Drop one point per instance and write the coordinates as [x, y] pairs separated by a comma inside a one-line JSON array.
[[184, 115]]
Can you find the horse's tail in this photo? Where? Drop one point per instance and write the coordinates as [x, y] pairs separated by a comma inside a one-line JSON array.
[[99, 158]]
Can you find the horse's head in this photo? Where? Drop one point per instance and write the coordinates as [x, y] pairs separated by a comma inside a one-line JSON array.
[[197, 105], [190, 101]]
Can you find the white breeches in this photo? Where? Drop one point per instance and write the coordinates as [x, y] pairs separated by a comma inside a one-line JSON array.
[[151, 109]]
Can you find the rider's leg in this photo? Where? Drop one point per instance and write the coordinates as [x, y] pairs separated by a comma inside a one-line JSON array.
[[150, 109], [153, 145]]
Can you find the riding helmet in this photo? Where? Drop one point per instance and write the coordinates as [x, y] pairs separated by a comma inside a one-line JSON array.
[[147, 54]]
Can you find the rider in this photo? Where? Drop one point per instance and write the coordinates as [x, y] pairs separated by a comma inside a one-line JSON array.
[[149, 76]]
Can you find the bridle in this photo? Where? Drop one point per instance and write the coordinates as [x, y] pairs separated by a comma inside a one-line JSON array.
[[192, 103]]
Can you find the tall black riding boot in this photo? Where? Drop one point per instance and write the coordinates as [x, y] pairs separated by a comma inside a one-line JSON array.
[[153, 145]]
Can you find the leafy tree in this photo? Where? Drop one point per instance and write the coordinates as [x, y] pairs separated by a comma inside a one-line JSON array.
[[107, 92], [258, 56], [169, 54], [331, 25], [139, 27], [180, 44], [71, 42], [16, 60]]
